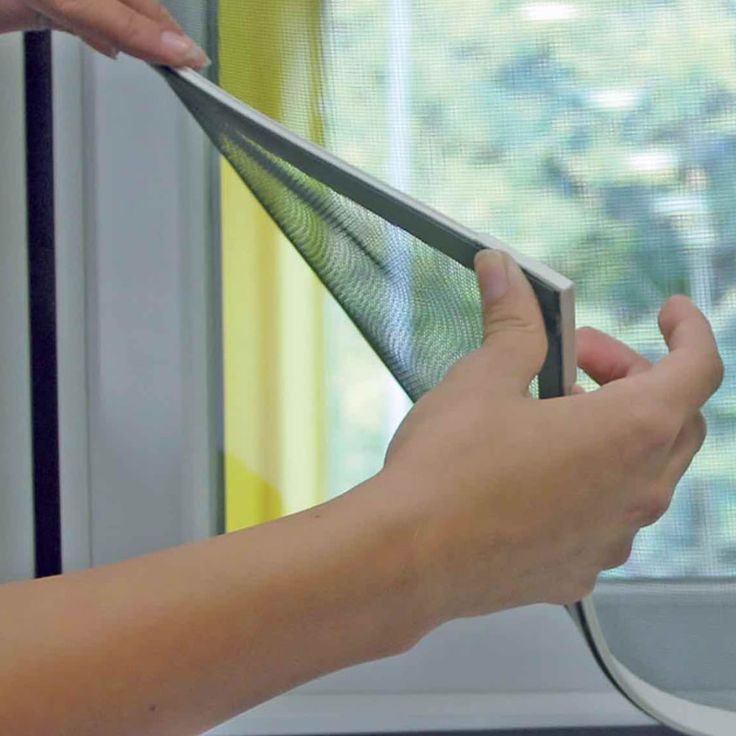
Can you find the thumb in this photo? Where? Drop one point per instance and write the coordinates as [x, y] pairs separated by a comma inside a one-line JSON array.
[[513, 328]]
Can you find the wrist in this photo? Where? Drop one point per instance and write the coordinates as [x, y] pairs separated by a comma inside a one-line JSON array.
[[386, 512]]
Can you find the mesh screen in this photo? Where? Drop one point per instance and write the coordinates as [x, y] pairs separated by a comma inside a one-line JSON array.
[[417, 307], [416, 334], [599, 137], [421, 312]]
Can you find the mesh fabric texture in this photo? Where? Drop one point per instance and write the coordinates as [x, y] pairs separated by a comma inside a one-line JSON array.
[[417, 307]]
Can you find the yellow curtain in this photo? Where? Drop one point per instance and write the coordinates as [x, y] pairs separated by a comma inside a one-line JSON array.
[[274, 408]]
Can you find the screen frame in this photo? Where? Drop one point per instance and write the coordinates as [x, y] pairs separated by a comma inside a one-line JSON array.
[[555, 292]]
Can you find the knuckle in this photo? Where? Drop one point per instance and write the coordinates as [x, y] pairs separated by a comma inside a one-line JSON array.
[[522, 328], [717, 371], [618, 555], [652, 508], [512, 321], [697, 431], [130, 28], [539, 346]]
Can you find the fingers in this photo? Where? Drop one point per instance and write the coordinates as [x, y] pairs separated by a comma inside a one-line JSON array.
[[693, 370], [140, 28], [680, 457], [155, 11], [95, 42], [101, 46], [15, 15], [606, 359], [512, 322]]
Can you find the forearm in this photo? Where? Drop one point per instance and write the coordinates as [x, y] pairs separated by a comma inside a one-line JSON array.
[[177, 641]]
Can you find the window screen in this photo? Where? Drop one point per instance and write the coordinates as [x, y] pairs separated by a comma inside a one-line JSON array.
[[599, 137]]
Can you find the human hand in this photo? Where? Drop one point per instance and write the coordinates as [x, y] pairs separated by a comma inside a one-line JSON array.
[[141, 28], [516, 501]]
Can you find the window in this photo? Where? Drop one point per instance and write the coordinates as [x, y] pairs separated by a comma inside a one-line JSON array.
[[596, 138]]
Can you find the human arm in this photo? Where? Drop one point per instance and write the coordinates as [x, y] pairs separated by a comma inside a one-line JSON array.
[[488, 500], [177, 641], [141, 28]]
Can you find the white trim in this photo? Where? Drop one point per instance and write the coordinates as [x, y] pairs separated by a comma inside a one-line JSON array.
[[71, 269], [199, 203], [198, 199], [16, 486], [667, 591], [371, 713], [671, 710], [149, 263]]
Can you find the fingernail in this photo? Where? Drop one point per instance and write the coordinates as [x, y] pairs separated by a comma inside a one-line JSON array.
[[491, 268], [112, 53], [202, 61], [182, 46]]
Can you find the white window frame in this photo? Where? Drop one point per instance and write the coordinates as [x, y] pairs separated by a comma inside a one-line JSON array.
[[16, 484], [111, 200]]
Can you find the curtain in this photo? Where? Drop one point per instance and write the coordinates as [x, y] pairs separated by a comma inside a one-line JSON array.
[[274, 417]]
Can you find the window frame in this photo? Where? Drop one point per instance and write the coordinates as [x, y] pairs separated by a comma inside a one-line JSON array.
[[96, 132], [16, 484]]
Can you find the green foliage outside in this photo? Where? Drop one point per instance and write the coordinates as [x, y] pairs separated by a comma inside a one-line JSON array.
[[597, 136]]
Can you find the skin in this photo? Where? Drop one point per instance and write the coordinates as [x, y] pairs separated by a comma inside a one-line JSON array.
[[141, 28], [458, 523]]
